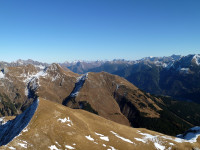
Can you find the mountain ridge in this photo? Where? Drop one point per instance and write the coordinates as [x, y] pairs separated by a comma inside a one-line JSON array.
[[107, 95], [79, 131]]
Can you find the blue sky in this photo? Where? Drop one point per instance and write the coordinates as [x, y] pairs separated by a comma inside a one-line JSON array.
[[60, 30]]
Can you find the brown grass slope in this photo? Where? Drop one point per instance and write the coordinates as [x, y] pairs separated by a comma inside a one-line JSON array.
[[114, 98], [46, 130], [57, 84]]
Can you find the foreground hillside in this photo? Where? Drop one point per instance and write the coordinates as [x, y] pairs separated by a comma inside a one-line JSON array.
[[54, 127]]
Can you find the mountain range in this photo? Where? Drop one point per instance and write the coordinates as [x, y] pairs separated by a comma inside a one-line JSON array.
[[112, 100], [104, 94], [176, 76]]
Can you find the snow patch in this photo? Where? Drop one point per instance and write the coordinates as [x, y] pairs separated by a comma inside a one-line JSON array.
[[32, 81], [159, 147], [23, 145], [2, 75], [102, 137], [184, 70], [40, 66], [178, 140], [53, 147], [12, 148], [78, 85], [171, 144], [56, 77], [66, 120], [122, 138], [69, 147], [148, 137], [111, 148], [196, 58], [141, 140], [25, 130], [89, 138]]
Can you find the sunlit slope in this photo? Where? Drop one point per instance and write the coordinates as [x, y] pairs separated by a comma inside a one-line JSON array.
[[54, 126]]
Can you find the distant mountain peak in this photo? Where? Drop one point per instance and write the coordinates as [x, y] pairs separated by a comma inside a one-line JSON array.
[[196, 59]]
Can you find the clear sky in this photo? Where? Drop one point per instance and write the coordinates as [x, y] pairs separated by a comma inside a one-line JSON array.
[[60, 30]]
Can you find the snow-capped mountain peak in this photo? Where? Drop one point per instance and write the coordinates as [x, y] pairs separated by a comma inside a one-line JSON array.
[[196, 59]]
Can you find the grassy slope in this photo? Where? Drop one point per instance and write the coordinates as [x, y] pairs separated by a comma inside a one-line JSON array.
[[45, 130]]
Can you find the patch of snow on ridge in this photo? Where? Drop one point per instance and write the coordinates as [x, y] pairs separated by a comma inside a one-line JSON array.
[[14, 127], [184, 70], [196, 58], [2, 75], [102, 137], [25, 130], [55, 78], [159, 147], [190, 136], [178, 140], [37, 75], [66, 120], [111, 148], [122, 138], [40, 66], [89, 138], [78, 85], [32, 81], [58, 143], [83, 77], [148, 137], [141, 140], [53, 147], [12, 148], [69, 147], [23, 145]]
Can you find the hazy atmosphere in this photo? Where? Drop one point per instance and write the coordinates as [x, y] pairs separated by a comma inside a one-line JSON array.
[[56, 31]]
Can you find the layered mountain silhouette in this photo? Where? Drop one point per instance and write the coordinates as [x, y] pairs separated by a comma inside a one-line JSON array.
[[103, 94], [113, 104], [176, 76]]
